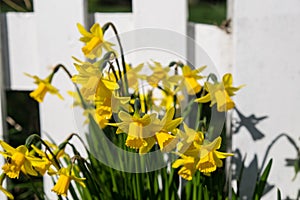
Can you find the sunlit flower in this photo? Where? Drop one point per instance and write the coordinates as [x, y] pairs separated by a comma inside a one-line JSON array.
[[94, 41], [18, 160], [65, 176], [159, 74], [187, 164], [102, 115], [120, 103], [133, 75], [170, 96], [164, 137], [138, 128], [191, 78], [210, 158], [94, 85], [201, 155], [47, 158], [220, 93], [44, 86], [188, 138]]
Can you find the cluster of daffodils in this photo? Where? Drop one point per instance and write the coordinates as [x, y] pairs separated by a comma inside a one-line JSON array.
[[33, 161], [151, 109]]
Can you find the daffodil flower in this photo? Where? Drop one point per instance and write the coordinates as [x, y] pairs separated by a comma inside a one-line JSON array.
[[44, 86], [164, 137], [48, 159], [138, 128], [188, 168], [18, 160], [168, 94], [133, 75], [65, 176], [118, 103], [159, 74], [190, 79], [95, 87], [202, 155], [220, 93], [210, 158], [188, 138], [94, 41], [102, 115]]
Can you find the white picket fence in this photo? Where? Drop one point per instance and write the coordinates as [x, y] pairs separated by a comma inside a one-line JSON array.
[[262, 52]]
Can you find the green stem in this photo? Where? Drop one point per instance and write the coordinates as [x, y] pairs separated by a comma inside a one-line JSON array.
[[56, 68], [199, 110], [195, 188], [122, 56], [111, 66]]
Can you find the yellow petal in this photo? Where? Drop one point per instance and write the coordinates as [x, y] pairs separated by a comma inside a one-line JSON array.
[[165, 141], [28, 168], [7, 147], [204, 99], [7, 193], [227, 80], [82, 30], [192, 85], [224, 102], [110, 84], [150, 143]]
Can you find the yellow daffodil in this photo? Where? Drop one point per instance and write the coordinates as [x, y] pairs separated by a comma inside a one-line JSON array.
[[169, 95], [94, 85], [65, 176], [94, 41], [201, 155], [133, 75], [188, 138], [220, 93], [48, 160], [102, 115], [18, 160], [210, 158], [138, 128], [120, 103], [44, 86], [188, 168], [191, 78], [164, 137], [159, 73]]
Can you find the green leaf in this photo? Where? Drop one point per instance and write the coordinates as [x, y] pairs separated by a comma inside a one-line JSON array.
[[260, 186], [278, 194], [206, 194]]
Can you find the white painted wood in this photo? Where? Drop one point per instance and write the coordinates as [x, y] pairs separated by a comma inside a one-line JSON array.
[[266, 59], [23, 54], [57, 37], [216, 43], [167, 21], [124, 22]]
